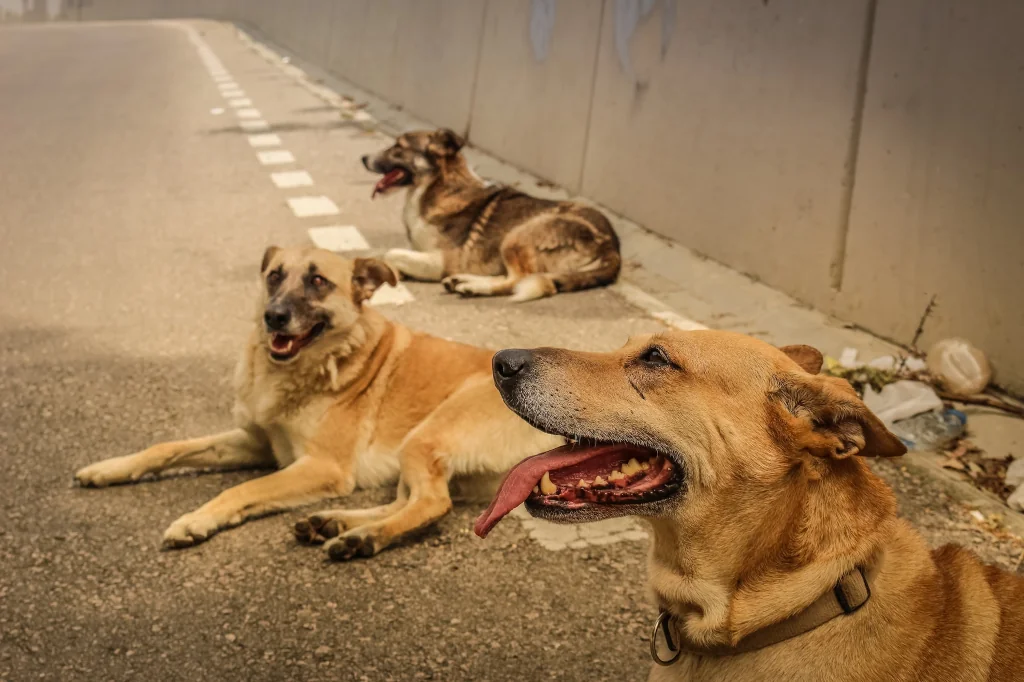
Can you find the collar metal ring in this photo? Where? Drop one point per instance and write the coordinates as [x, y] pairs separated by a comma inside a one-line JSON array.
[[663, 624]]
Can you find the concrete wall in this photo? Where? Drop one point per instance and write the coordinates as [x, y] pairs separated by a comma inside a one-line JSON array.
[[938, 206], [726, 126], [861, 155]]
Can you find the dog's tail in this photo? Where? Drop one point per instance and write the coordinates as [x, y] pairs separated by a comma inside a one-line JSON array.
[[602, 271]]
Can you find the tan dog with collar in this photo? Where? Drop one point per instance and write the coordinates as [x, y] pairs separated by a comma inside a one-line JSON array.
[[338, 397], [777, 553]]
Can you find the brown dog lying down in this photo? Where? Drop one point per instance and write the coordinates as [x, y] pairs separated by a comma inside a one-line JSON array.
[[481, 239], [777, 554], [339, 397]]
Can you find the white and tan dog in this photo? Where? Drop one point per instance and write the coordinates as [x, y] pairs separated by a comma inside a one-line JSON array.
[[339, 397]]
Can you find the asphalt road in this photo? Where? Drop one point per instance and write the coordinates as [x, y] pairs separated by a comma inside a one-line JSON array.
[[132, 221], [133, 214]]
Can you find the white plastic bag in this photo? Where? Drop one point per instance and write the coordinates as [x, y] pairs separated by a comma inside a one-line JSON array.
[[959, 367], [901, 400]]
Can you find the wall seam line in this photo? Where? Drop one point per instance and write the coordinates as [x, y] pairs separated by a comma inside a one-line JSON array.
[[476, 71], [838, 265], [593, 93]]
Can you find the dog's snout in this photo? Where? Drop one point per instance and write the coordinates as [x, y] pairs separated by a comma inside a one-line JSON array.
[[366, 161], [508, 364], [277, 317]]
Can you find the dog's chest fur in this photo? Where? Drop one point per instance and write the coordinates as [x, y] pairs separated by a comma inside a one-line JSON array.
[[422, 235], [299, 415], [287, 409]]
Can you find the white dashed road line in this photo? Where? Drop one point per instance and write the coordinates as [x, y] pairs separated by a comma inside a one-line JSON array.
[[238, 103], [338, 238], [658, 310], [253, 125], [248, 113], [268, 140], [290, 179], [311, 207], [276, 157]]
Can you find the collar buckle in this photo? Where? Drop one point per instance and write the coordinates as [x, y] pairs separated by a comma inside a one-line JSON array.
[[663, 624]]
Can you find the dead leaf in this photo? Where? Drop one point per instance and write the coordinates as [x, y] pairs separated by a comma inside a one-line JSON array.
[[955, 464]]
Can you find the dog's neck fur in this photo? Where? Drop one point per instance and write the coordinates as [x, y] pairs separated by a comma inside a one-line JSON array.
[[733, 576], [454, 188], [342, 368]]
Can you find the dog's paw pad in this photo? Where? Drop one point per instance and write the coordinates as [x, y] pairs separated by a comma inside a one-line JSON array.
[[317, 529], [353, 546], [451, 284]]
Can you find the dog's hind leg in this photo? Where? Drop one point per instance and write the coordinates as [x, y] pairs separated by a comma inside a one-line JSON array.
[[479, 285], [308, 479], [426, 266], [236, 449], [522, 281], [324, 525]]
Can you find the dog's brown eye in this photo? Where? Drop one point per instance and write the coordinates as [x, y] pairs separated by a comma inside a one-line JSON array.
[[274, 278], [317, 281], [655, 357]]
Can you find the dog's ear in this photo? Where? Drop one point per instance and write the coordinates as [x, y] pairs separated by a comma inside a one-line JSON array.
[[823, 416], [808, 357], [445, 142], [367, 276], [268, 256]]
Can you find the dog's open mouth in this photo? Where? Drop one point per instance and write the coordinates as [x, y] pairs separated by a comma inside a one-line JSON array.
[[396, 177], [285, 347], [584, 481]]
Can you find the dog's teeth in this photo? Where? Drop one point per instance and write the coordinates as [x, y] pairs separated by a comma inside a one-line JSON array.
[[645, 465], [546, 486], [536, 489], [616, 475], [599, 481], [583, 483], [631, 467]]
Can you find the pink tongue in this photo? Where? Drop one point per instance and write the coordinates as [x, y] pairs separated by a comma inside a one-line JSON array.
[[389, 179], [521, 479], [281, 343]]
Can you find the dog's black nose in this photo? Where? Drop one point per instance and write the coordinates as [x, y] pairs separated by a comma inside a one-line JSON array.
[[366, 161], [277, 317], [507, 364]]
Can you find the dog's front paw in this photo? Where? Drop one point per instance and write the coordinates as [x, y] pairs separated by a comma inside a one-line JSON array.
[[449, 283], [351, 545], [190, 529], [108, 472], [317, 529], [463, 285]]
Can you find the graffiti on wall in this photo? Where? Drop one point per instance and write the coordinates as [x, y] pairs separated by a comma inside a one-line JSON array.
[[628, 15], [542, 26]]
